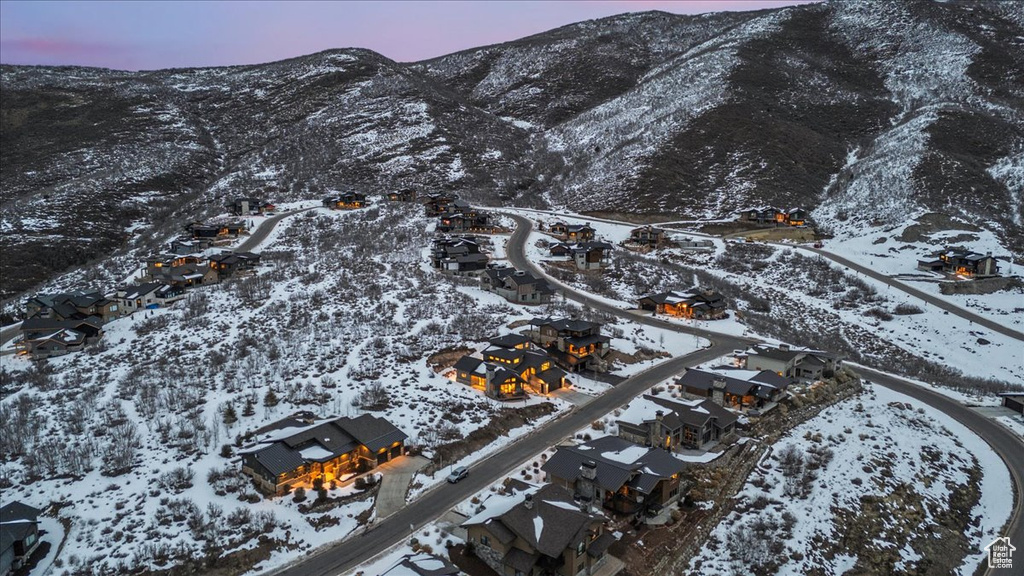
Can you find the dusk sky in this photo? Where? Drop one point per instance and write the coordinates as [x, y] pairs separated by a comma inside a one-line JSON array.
[[151, 35]]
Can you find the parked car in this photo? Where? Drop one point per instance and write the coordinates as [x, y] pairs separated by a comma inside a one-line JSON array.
[[818, 245], [458, 474]]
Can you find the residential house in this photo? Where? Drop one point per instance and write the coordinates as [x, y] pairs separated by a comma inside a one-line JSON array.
[[675, 424], [575, 344], [185, 246], [438, 204], [150, 295], [71, 306], [249, 205], [469, 221], [538, 370], [646, 236], [961, 263], [762, 215], [541, 532], [695, 303], [772, 215], [154, 264], [458, 256], [791, 362], [496, 381], [512, 341], [297, 451], [48, 337], [695, 244], [345, 201], [406, 195], [572, 232], [227, 264], [214, 231], [636, 481], [560, 249], [591, 255], [517, 286], [1014, 401], [19, 535], [184, 276], [422, 564], [734, 388]]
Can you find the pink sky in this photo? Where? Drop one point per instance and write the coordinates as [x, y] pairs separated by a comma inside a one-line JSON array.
[[149, 35]]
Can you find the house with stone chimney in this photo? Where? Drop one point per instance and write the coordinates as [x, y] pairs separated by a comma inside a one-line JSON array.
[[575, 344], [541, 531], [734, 388], [627, 479]]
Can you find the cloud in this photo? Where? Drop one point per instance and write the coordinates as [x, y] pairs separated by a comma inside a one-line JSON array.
[[63, 51]]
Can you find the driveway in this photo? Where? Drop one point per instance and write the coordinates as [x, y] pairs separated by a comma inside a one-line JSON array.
[[398, 474]]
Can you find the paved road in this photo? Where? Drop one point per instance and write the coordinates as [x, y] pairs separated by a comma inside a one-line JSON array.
[[263, 230], [346, 555], [10, 332]]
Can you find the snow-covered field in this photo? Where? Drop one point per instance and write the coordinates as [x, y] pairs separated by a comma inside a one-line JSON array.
[[864, 482]]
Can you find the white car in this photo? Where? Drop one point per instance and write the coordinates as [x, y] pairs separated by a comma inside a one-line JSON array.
[[458, 474]]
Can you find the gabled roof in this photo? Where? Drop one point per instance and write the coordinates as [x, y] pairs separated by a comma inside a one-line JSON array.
[[548, 526], [618, 461], [18, 512], [288, 448], [37, 324], [468, 364], [509, 340], [373, 432], [756, 386]]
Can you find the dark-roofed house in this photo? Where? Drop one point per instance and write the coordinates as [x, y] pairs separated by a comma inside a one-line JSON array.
[[696, 304], [961, 263], [184, 276], [437, 204], [591, 255], [737, 389], [19, 535], [71, 306], [792, 362], [1014, 401], [627, 478], [131, 299], [762, 215], [541, 533], [227, 264], [297, 454], [465, 220], [646, 236], [674, 424], [345, 201], [512, 341], [458, 255], [575, 344], [422, 564], [517, 286], [406, 195], [44, 338], [573, 232], [249, 205], [496, 381], [537, 369]]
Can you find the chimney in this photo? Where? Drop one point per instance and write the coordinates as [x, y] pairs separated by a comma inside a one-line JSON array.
[[588, 470], [718, 391], [490, 372], [659, 417], [528, 503]]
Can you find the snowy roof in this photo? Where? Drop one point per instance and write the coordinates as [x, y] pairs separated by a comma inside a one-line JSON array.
[[617, 461]]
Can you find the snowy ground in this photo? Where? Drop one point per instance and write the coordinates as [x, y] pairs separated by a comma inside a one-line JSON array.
[[879, 445], [787, 279], [882, 250]]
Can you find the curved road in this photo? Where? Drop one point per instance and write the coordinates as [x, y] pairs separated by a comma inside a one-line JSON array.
[[1005, 443], [335, 559], [263, 230]]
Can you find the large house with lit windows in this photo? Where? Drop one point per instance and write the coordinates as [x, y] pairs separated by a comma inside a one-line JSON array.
[[575, 344], [776, 216], [572, 232], [734, 388], [510, 368], [298, 450], [695, 304], [675, 424], [962, 263], [632, 480]]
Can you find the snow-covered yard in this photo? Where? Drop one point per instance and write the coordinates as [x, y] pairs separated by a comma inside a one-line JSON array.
[[876, 483]]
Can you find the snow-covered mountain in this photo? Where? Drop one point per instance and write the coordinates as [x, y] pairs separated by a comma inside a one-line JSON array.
[[866, 111]]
